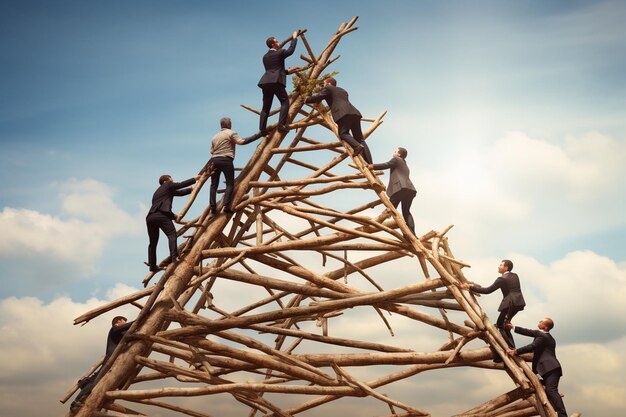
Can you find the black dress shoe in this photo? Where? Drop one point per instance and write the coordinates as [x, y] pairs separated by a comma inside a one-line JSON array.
[[75, 406], [153, 268]]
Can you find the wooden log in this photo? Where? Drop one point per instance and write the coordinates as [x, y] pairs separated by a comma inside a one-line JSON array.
[[172, 407], [308, 148], [307, 181], [308, 49], [328, 339], [277, 284], [399, 358], [234, 387], [199, 325], [84, 318], [75, 387], [366, 389]]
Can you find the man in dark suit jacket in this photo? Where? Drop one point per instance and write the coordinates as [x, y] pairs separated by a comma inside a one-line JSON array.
[[347, 117], [119, 327], [545, 362], [160, 216], [400, 188], [512, 301], [274, 81]]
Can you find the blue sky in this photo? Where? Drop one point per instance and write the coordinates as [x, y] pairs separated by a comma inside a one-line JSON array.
[[514, 114]]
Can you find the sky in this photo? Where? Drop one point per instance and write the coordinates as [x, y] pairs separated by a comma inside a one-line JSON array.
[[513, 113]]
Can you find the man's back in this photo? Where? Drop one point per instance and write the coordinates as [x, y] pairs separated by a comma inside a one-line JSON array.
[[274, 64], [543, 348], [399, 175], [114, 337], [337, 99], [163, 196]]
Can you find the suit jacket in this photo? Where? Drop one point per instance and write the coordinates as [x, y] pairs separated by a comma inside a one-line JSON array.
[[543, 348], [114, 337], [163, 196], [337, 99], [274, 63], [511, 291], [398, 176]]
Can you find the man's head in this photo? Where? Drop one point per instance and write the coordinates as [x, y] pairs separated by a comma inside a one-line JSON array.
[[401, 152], [331, 81], [505, 266], [164, 178], [225, 123], [118, 321], [546, 324], [271, 42]]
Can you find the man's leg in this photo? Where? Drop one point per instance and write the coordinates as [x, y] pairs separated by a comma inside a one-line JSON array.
[[395, 199], [86, 386], [268, 97], [283, 97], [343, 126], [500, 325], [509, 316], [357, 133], [551, 380], [229, 176], [215, 181], [407, 200], [153, 236], [167, 225]]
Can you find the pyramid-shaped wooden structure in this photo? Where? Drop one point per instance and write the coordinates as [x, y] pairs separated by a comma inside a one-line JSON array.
[[243, 323]]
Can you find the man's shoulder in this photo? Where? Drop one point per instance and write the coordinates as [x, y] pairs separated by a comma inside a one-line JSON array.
[[334, 88], [224, 133], [511, 276]]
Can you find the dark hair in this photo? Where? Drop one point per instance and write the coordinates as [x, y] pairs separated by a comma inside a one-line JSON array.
[[270, 41], [164, 178], [508, 264], [403, 153], [116, 319], [331, 81], [225, 122]]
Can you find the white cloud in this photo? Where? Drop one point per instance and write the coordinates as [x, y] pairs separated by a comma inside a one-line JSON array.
[[76, 238], [526, 189], [44, 354], [581, 169]]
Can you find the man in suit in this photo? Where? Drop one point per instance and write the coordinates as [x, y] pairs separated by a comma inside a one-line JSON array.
[[222, 157], [545, 362], [119, 327], [400, 188], [512, 301], [347, 117], [274, 81], [160, 216]]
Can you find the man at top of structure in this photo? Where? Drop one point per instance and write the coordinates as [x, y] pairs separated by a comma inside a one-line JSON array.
[[274, 81], [347, 117]]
